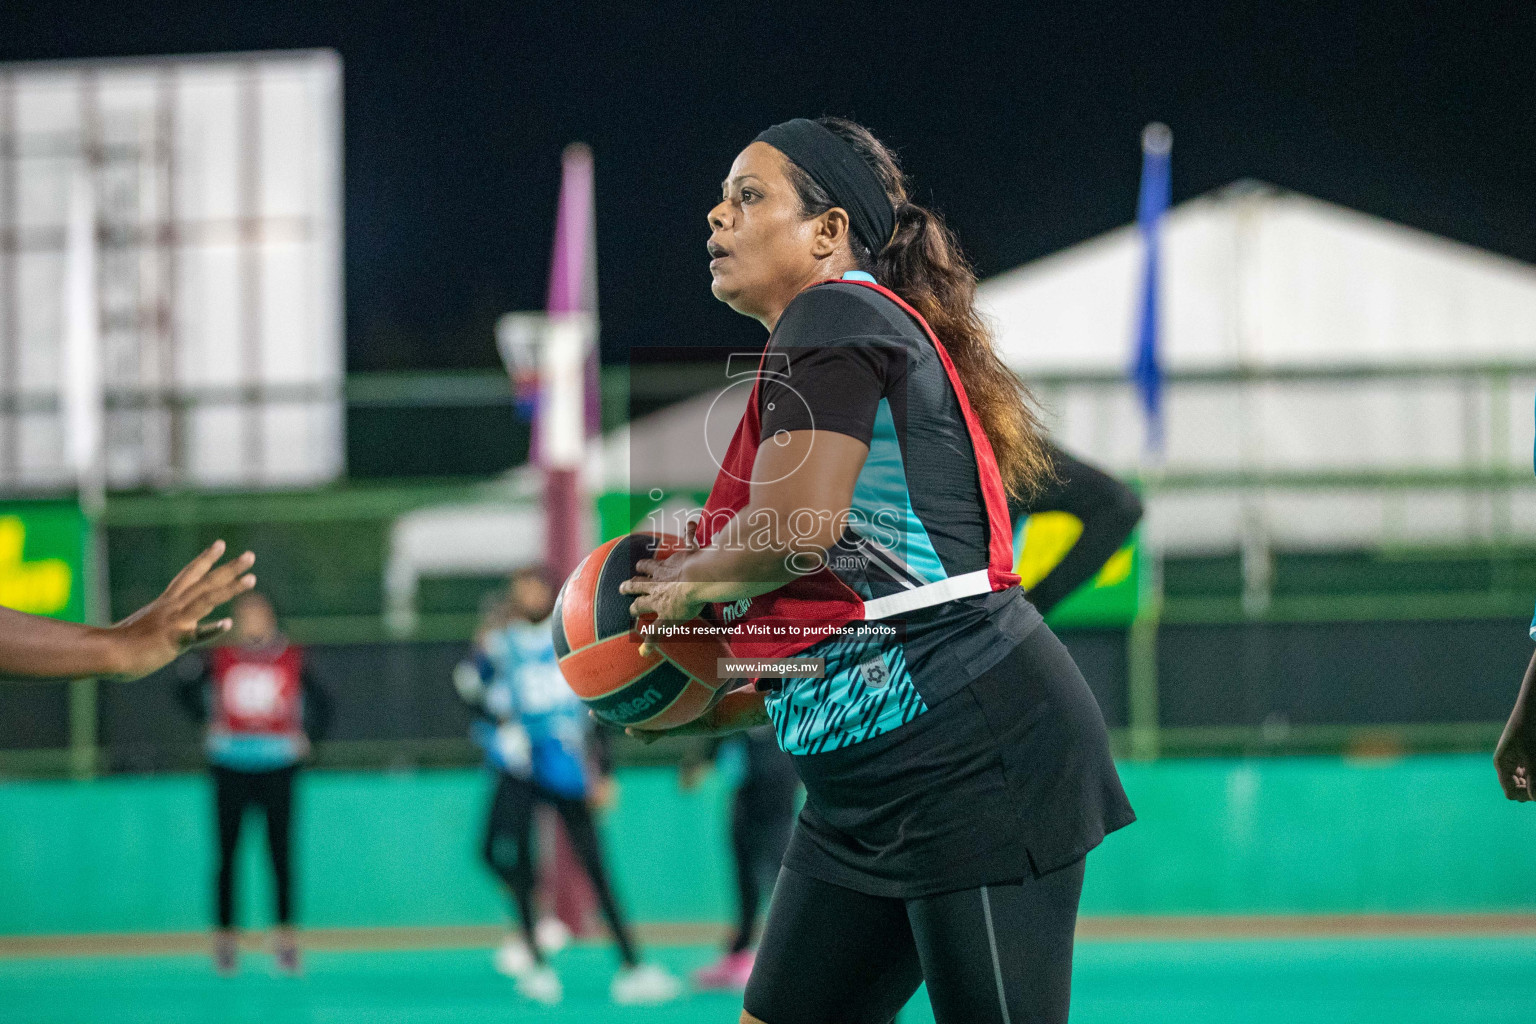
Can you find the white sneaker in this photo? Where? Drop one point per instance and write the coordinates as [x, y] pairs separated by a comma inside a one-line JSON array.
[[512, 957], [646, 983], [551, 934], [541, 984]]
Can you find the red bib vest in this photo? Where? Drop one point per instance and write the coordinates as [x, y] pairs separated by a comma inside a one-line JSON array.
[[822, 597], [256, 692]]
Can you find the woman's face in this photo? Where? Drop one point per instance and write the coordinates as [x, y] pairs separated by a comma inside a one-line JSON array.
[[531, 598], [763, 252], [255, 621]]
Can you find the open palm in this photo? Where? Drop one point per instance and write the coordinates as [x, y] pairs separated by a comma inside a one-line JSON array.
[[156, 634]]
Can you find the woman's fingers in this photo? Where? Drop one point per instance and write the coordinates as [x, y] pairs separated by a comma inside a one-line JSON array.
[[220, 585], [1515, 778], [196, 607], [226, 573], [207, 600], [195, 569], [1514, 771], [697, 727], [207, 631]]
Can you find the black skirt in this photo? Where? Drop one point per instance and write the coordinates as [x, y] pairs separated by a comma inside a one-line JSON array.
[[1009, 777]]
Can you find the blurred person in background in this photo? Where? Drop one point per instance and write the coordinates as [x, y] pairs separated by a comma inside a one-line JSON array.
[[502, 744], [1515, 756], [37, 647], [539, 742], [261, 706], [762, 818]]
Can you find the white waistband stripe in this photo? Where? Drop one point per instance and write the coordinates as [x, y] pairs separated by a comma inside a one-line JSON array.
[[929, 594]]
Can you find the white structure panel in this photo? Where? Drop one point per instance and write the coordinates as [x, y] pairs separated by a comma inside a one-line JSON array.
[[217, 186]]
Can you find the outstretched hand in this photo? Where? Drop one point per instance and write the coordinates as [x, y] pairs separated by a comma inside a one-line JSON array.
[[176, 621]]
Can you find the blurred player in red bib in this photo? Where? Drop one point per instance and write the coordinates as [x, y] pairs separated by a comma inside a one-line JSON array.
[[261, 706]]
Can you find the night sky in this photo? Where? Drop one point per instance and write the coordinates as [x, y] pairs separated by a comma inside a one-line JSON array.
[[1021, 125]]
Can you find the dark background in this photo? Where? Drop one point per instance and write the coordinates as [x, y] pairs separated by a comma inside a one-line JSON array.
[[1020, 122]]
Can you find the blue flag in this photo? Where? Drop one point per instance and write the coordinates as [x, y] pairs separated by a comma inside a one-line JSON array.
[[1147, 371]]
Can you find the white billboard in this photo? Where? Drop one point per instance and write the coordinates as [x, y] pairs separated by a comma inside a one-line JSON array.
[[215, 183]]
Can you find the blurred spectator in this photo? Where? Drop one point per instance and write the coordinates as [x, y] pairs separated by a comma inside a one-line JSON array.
[[537, 736], [762, 816], [261, 706]]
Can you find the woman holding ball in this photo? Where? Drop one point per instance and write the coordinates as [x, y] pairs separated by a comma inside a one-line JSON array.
[[958, 772]]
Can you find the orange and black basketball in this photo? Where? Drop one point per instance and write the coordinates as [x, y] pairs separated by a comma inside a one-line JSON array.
[[672, 685]]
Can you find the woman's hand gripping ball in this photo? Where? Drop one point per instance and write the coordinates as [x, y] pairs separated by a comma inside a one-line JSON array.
[[660, 588]]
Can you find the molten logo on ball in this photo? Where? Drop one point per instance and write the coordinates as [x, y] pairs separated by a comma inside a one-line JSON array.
[[676, 680]]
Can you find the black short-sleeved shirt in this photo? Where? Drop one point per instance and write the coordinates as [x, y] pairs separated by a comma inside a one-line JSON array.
[[968, 750], [860, 365]]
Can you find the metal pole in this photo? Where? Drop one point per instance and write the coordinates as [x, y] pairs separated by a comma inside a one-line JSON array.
[[84, 750], [172, 470], [1142, 713], [1141, 690], [84, 694], [1256, 557], [10, 287], [250, 273]]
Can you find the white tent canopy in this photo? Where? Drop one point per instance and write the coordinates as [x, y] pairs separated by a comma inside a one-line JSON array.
[[1353, 346], [1253, 276]]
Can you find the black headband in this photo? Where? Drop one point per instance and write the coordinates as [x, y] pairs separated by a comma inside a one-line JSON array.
[[842, 173]]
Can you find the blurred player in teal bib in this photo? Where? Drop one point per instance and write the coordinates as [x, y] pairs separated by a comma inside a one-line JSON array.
[[536, 728], [539, 741]]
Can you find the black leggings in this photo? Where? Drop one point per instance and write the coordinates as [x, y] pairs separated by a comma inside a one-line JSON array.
[[999, 953], [508, 849], [272, 792]]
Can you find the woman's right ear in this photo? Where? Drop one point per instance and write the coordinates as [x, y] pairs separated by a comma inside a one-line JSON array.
[[832, 233]]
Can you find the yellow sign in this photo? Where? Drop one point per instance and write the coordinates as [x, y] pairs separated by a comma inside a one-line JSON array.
[[1043, 539], [46, 585]]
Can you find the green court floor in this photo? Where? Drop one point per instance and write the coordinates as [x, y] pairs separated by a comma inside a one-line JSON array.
[[1338, 981]]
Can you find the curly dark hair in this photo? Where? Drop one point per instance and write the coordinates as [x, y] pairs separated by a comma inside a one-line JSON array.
[[923, 263]]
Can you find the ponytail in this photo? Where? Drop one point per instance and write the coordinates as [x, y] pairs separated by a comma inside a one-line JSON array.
[[923, 263]]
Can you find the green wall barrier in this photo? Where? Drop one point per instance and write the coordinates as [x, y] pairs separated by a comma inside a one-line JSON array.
[[129, 854], [1316, 835], [1302, 835]]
